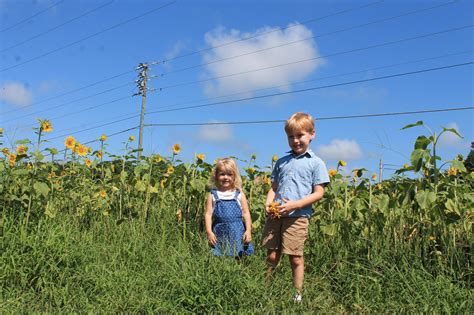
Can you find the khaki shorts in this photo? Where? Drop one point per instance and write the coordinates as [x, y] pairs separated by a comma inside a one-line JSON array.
[[286, 234]]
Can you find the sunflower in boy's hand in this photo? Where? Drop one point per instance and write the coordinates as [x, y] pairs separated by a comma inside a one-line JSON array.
[[274, 210]]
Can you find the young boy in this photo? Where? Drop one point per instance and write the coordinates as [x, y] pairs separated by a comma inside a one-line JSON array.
[[298, 181]]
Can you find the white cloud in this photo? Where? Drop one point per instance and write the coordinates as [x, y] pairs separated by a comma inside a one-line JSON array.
[[449, 139], [15, 94], [175, 50], [340, 149], [215, 133], [276, 76]]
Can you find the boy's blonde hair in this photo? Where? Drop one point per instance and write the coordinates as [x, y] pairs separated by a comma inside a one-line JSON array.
[[228, 165], [300, 121]]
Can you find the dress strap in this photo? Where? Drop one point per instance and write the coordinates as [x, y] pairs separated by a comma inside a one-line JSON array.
[[236, 195], [214, 193]]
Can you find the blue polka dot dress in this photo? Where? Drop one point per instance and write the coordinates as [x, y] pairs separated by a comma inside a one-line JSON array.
[[228, 227]]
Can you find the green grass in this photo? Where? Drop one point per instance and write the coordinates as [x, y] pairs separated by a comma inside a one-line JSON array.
[[61, 266]]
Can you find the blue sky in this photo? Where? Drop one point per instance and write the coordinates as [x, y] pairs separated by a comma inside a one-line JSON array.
[[77, 43]]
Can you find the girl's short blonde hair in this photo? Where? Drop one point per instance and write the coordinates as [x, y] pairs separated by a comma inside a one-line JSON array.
[[227, 165], [300, 121]]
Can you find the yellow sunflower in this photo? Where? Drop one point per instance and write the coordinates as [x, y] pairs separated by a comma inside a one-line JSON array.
[[70, 142], [21, 149], [103, 138], [46, 126], [176, 148]]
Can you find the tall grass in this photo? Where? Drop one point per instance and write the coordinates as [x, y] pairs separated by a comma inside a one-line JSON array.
[[61, 266]]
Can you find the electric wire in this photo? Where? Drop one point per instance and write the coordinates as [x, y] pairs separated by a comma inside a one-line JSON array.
[[268, 32], [56, 27], [316, 79], [308, 38], [31, 17], [315, 88], [88, 37], [315, 118], [278, 94], [72, 91], [319, 57]]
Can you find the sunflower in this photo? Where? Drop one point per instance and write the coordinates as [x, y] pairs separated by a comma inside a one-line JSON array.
[[374, 177], [267, 181], [274, 210], [5, 151], [452, 171], [103, 138], [250, 170], [342, 163], [131, 138], [103, 193], [162, 183], [12, 159], [332, 172], [81, 149], [46, 126], [88, 162], [70, 142], [176, 148], [274, 158], [170, 170], [99, 154], [21, 149], [200, 157]]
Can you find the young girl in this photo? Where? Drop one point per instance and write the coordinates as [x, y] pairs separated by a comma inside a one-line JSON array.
[[225, 207]]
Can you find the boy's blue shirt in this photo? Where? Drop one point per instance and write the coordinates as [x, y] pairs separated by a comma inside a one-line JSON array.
[[296, 176]]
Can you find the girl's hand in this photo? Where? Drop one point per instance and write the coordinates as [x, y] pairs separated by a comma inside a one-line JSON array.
[[212, 238], [288, 206], [247, 237]]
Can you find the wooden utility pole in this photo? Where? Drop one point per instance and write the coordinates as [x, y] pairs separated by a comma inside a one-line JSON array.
[[142, 89], [380, 170]]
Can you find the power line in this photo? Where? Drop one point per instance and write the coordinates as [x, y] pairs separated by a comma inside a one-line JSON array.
[[56, 27], [31, 17], [278, 120], [315, 88], [72, 91], [277, 94], [308, 38], [268, 32], [88, 37], [316, 119], [74, 101], [317, 79], [319, 57]]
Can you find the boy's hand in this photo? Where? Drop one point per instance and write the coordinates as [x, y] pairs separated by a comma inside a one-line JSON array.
[[211, 237], [288, 206], [247, 237]]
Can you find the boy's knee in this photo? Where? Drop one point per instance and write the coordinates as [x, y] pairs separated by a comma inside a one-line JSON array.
[[296, 260], [273, 257]]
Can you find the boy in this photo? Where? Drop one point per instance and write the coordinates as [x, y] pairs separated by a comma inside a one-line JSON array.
[[298, 181]]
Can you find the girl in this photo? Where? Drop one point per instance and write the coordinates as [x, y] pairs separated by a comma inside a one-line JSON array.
[[226, 205]]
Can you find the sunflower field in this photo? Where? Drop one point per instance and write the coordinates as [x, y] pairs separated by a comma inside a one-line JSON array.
[[85, 230]]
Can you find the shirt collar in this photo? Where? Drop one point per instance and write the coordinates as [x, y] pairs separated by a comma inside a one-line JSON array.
[[308, 153]]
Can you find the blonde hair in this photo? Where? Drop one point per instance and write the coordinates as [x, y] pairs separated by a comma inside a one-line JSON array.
[[228, 165], [300, 121]]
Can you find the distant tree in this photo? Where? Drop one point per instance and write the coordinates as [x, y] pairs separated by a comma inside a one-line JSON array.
[[469, 162]]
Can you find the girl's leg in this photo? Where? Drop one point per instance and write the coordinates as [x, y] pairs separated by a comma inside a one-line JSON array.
[[297, 268]]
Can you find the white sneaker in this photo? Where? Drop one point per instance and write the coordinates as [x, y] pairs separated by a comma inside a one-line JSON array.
[[297, 298]]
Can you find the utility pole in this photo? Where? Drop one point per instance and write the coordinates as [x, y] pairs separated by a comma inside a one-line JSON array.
[[380, 170], [142, 89]]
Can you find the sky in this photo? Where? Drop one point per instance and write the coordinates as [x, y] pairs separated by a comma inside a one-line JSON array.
[[74, 63]]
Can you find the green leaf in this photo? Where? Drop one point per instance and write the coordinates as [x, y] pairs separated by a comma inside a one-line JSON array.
[[329, 229], [453, 131], [41, 188], [418, 123], [425, 198], [23, 141], [140, 186], [422, 142], [459, 165], [417, 157], [451, 206]]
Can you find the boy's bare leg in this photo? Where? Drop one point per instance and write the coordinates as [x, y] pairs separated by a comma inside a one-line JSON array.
[[297, 268], [273, 258]]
